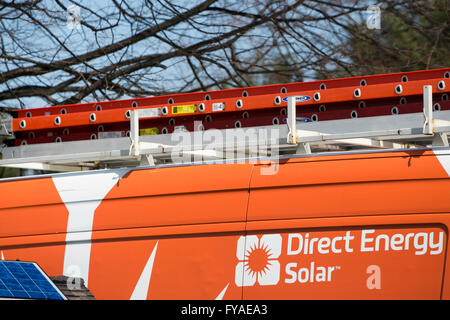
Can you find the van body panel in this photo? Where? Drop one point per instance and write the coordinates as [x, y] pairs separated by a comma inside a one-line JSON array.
[[323, 187], [197, 266], [232, 231], [393, 262], [50, 256], [31, 207]]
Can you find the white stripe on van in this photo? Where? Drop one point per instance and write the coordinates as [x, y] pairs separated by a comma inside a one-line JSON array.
[[443, 156], [141, 290], [221, 294], [82, 194]]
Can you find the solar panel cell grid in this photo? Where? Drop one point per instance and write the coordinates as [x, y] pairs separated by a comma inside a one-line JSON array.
[[25, 280], [6, 293]]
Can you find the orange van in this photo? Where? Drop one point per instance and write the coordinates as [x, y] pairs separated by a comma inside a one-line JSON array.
[[354, 225]]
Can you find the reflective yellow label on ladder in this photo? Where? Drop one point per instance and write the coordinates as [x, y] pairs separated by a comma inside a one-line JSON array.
[[188, 108], [148, 131]]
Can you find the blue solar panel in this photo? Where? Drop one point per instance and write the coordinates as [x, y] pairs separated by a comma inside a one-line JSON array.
[[26, 280]]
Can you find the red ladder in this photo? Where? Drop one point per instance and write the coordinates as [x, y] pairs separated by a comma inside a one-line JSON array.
[[354, 97]]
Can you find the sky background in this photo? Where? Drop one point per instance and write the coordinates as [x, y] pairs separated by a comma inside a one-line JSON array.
[[80, 40]]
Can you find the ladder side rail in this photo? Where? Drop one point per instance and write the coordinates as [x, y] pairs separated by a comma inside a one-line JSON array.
[[401, 77], [255, 103]]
